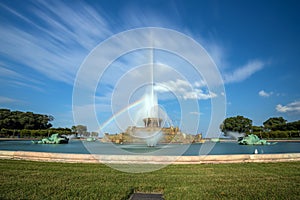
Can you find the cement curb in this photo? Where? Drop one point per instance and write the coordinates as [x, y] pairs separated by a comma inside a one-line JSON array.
[[135, 159]]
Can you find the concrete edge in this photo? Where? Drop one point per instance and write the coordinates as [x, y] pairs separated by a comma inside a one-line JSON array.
[[135, 159]]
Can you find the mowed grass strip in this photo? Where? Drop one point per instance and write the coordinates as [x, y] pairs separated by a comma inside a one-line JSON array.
[[46, 180]]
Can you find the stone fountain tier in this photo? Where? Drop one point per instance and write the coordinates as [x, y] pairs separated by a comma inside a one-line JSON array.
[[151, 133], [152, 122], [147, 131]]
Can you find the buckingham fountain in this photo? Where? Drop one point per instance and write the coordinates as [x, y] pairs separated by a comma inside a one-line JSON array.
[[153, 118], [149, 122], [150, 125]]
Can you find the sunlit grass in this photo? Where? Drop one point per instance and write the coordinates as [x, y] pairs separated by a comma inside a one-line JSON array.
[[42, 180]]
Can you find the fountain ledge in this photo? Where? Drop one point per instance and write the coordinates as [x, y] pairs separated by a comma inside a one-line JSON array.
[[136, 159]]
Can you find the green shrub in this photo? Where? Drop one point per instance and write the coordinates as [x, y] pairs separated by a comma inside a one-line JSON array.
[[25, 133]]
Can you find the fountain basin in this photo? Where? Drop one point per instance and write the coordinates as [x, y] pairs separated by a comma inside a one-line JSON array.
[[135, 159], [79, 147]]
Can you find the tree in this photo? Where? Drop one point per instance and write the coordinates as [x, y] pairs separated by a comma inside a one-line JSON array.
[[24, 120], [275, 123], [238, 124], [94, 134], [293, 126], [73, 128], [80, 130]]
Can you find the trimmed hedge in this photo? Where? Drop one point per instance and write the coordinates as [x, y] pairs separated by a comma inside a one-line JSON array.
[[278, 134], [25, 133]]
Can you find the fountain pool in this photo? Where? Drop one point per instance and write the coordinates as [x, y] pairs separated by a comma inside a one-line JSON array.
[[79, 147]]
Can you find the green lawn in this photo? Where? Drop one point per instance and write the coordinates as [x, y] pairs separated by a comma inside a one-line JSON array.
[[43, 180]]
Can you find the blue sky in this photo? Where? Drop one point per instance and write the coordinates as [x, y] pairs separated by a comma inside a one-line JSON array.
[[254, 44]]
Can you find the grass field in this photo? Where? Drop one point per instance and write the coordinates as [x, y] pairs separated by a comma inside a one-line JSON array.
[[43, 180]]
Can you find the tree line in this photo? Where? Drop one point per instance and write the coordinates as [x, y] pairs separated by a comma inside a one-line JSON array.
[[274, 127], [29, 124], [30, 133], [24, 120]]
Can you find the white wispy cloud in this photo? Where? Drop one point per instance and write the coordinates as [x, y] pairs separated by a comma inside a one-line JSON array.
[[7, 100], [56, 43], [244, 72], [4, 72], [263, 93], [196, 113], [293, 107], [14, 78], [183, 89], [55, 38]]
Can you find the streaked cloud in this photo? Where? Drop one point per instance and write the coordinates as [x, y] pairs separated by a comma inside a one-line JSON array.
[[244, 72], [4, 72], [52, 38], [7, 100], [13, 78], [56, 44], [293, 107]]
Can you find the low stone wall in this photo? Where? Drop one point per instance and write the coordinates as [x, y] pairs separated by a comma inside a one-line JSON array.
[[131, 159]]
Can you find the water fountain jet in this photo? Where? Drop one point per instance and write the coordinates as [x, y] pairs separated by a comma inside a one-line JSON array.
[[153, 118], [150, 113]]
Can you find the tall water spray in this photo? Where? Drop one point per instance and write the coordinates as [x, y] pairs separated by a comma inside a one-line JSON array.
[[149, 106], [150, 114]]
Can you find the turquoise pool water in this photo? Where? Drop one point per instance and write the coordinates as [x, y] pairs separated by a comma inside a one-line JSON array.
[[83, 147]]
